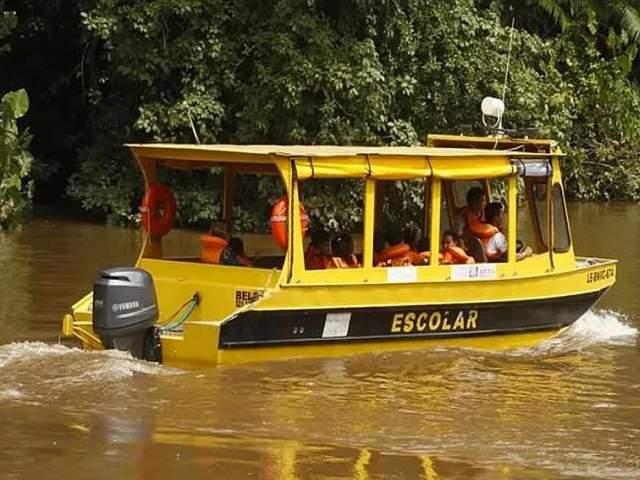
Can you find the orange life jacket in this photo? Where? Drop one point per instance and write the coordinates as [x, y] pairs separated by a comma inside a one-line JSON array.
[[395, 256], [418, 258], [456, 255], [476, 225], [314, 260], [212, 248]]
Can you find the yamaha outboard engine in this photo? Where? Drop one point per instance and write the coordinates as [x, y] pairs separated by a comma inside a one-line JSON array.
[[125, 310]]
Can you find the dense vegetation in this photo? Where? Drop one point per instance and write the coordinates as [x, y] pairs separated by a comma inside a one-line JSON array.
[[101, 73]]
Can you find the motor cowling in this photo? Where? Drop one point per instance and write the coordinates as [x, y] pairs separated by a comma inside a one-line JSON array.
[[125, 310]]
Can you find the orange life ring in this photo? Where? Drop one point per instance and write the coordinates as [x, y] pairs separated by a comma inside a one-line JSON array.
[[158, 210], [279, 221]]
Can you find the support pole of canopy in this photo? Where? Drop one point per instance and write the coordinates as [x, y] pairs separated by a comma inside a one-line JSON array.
[[380, 190], [550, 221], [295, 243], [151, 247], [427, 196], [512, 221], [369, 220], [436, 203]]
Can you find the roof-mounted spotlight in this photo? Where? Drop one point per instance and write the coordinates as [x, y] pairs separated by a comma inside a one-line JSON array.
[[494, 108]]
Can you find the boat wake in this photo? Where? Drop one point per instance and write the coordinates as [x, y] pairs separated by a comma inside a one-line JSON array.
[[596, 327], [27, 367], [603, 326]]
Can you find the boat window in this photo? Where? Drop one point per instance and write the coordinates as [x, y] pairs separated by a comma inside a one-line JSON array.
[[525, 222], [539, 191], [336, 222], [561, 239], [399, 219]]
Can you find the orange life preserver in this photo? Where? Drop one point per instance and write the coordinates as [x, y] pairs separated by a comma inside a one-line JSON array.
[[395, 254], [212, 248], [314, 260], [158, 210], [456, 255], [279, 221], [426, 255], [477, 226]]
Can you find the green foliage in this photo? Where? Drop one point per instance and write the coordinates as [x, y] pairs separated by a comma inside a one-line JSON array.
[[604, 135], [348, 72], [8, 22], [15, 160]]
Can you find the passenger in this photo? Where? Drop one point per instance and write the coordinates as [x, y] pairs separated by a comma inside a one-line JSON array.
[[342, 252], [318, 255], [396, 254], [474, 215], [236, 248], [421, 255], [214, 244], [497, 245], [475, 248], [462, 243], [451, 252]]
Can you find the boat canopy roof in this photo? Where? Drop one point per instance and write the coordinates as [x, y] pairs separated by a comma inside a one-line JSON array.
[[345, 161]]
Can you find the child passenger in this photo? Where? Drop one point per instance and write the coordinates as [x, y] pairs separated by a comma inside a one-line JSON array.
[[236, 247], [452, 253], [318, 254], [342, 251]]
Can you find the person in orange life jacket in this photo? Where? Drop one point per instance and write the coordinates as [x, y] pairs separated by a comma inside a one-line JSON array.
[[411, 238], [497, 244], [421, 255], [473, 215], [342, 252], [396, 254], [464, 245], [214, 243], [317, 255], [451, 252], [236, 248]]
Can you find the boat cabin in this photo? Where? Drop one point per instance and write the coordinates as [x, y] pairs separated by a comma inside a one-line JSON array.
[[523, 174]]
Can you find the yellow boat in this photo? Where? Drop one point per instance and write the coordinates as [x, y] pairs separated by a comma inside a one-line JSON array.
[[208, 313]]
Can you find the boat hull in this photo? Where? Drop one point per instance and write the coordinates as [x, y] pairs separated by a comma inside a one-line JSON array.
[[274, 335], [388, 324]]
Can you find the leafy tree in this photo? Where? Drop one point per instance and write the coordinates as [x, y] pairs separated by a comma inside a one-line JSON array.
[[15, 160], [293, 71]]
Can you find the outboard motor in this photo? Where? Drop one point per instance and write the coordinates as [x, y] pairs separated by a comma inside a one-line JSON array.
[[125, 309]]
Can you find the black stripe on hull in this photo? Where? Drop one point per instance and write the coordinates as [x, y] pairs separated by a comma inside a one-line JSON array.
[[419, 322]]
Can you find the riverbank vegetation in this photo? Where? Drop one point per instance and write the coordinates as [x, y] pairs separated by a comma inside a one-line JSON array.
[[102, 73]]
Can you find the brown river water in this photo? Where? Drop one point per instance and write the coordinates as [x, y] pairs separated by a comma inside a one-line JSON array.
[[567, 408]]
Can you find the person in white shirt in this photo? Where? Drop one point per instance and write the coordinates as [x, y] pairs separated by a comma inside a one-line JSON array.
[[497, 244]]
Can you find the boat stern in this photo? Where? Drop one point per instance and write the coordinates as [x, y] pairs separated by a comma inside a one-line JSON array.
[[79, 323]]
